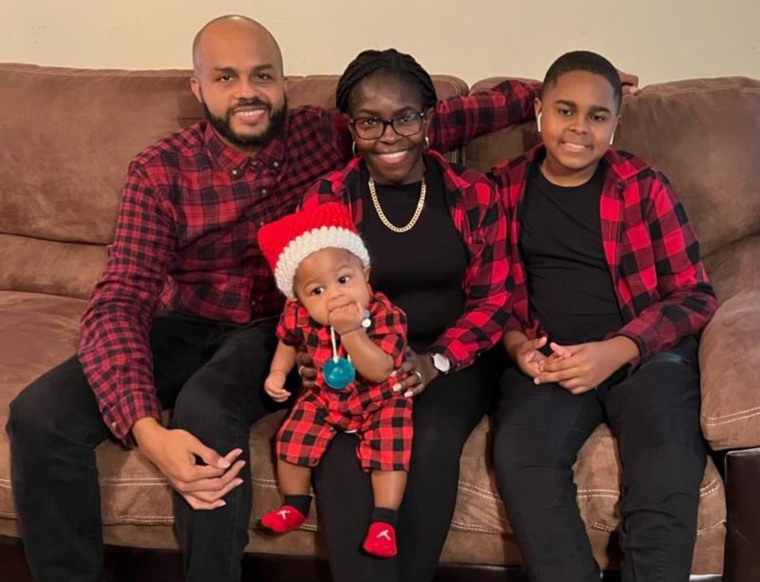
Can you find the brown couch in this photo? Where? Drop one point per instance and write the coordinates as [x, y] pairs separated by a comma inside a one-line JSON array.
[[67, 136]]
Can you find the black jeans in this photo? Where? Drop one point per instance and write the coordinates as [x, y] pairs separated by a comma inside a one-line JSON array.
[[444, 416], [211, 374], [654, 414]]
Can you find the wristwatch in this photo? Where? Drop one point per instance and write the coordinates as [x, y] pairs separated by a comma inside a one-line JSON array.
[[441, 363]]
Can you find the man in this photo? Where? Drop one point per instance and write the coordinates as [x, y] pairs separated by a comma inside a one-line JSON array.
[[184, 315]]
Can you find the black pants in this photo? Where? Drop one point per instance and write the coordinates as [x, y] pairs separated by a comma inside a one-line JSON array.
[[654, 414], [444, 415], [212, 374]]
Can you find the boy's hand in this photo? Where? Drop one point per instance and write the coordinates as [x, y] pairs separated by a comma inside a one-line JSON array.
[[275, 386], [528, 357], [582, 367], [345, 318]]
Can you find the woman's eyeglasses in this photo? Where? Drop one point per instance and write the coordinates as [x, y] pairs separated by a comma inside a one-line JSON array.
[[372, 127]]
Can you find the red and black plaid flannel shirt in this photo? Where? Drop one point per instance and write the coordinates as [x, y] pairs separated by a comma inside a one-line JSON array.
[[382, 418], [478, 216], [653, 255], [187, 225], [387, 330]]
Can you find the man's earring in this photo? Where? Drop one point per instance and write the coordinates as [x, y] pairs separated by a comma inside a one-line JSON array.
[[538, 122], [427, 143], [612, 137], [353, 148]]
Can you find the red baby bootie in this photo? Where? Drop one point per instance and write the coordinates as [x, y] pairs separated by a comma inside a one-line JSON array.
[[282, 519], [380, 540]]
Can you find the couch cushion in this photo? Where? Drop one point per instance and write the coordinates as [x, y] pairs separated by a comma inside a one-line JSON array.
[[36, 332]]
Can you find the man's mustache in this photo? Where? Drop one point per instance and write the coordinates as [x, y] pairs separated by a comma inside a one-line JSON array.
[[255, 102]]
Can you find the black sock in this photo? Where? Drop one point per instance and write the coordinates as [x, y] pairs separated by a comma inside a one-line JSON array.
[[301, 502], [389, 516]]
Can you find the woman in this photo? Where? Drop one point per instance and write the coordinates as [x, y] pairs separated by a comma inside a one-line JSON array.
[[437, 237]]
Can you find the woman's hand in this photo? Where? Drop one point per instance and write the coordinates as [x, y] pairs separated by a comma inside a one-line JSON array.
[[629, 83], [416, 372], [306, 369]]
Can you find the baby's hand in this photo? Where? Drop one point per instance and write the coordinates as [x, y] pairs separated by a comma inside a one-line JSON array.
[[346, 318], [275, 386]]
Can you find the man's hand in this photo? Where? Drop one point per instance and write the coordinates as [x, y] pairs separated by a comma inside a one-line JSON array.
[[174, 452], [582, 367], [274, 385]]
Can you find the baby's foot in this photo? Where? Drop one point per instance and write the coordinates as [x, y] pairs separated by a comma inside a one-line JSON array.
[[380, 540], [282, 519]]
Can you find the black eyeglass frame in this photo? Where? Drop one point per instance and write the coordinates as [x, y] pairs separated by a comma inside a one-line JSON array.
[[386, 122]]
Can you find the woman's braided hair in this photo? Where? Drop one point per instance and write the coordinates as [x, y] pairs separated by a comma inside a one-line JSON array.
[[390, 60]]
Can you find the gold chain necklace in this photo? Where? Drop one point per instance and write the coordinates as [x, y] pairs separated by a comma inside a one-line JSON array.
[[381, 215]]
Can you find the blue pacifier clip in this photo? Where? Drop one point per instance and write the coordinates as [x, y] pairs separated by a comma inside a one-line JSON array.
[[338, 371]]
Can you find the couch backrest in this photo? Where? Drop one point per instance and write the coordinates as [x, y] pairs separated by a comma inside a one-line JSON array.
[[67, 137], [705, 135]]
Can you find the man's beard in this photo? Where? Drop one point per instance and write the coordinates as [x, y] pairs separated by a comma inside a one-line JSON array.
[[223, 127]]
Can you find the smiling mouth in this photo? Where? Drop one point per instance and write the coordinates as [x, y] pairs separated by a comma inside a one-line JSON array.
[[249, 113], [393, 157], [574, 147]]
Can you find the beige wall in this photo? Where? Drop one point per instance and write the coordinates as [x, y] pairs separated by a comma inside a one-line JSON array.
[[657, 39]]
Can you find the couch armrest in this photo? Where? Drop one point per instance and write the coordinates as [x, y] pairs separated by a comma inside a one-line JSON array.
[[729, 358]]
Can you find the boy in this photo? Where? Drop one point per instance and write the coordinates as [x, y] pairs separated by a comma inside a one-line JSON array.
[[321, 264], [610, 296]]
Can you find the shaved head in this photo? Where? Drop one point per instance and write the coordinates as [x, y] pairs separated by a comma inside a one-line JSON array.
[[218, 29], [238, 79]]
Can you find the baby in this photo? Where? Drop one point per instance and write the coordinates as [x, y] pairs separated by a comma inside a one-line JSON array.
[[356, 339]]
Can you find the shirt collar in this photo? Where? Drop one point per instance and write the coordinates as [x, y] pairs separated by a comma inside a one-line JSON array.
[[234, 162]]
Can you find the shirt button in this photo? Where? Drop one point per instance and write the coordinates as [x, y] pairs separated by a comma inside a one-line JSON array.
[[276, 164], [253, 302], [234, 173], [263, 190], [114, 425]]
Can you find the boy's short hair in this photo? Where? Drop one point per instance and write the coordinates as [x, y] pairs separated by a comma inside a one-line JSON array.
[[584, 61]]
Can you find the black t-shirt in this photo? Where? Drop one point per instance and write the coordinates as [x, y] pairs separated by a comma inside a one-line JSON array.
[[421, 270], [569, 284]]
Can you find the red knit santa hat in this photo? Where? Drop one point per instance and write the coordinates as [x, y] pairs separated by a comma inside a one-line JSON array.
[[288, 241]]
